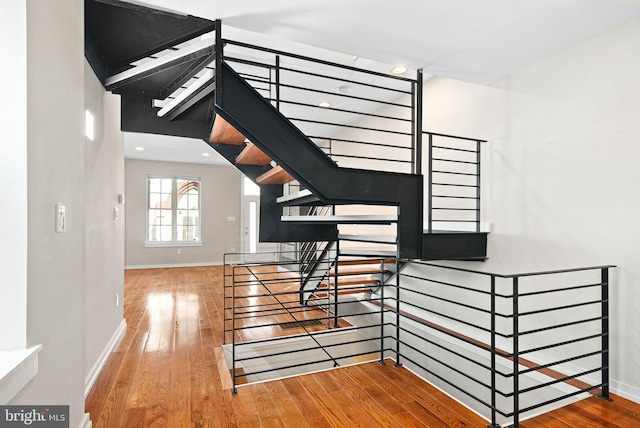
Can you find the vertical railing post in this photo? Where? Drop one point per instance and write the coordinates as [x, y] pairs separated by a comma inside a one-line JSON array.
[[418, 127], [218, 93], [604, 274], [430, 186], [516, 357], [494, 423], [278, 82], [234, 390], [414, 128], [224, 299], [478, 187], [398, 362], [335, 287], [382, 316]]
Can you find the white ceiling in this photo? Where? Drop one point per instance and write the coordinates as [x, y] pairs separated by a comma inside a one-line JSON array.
[[476, 41], [169, 149]]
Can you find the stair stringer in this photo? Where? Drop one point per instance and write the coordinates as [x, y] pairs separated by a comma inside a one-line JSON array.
[[245, 109]]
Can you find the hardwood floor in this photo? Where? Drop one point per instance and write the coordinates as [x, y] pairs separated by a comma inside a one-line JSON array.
[[169, 372]]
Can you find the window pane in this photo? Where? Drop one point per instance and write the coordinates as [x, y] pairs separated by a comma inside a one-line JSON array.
[[167, 185], [193, 200], [162, 226], [155, 200], [154, 185], [160, 217], [250, 188], [165, 233]]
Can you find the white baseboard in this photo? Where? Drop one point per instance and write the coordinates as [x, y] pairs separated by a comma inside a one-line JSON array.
[[624, 390], [85, 422], [172, 265], [113, 343]]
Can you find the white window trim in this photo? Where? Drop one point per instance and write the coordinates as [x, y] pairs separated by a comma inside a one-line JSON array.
[[17, 368], [155, 244]]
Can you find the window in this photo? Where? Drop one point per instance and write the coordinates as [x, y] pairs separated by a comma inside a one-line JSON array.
[[173, 208]]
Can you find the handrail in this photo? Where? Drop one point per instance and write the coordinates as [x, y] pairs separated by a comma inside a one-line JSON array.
[[319, 61], [514, 275]]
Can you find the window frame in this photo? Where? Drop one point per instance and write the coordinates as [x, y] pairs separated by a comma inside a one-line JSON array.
[[174, 211]]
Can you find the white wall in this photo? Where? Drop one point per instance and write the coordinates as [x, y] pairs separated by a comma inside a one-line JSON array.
[[13, 177], [561, 170], [220, 197], [104, 167], [55, 150]]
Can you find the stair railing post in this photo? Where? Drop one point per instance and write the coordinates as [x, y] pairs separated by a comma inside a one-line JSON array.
[[398, 362], [218, 63], [335, 287], [430, 186], [278, 82], [234, 390], [604, 276], [479, 143], [516, 357], [224, 298], [382, 318], [494, 423], [418, 124]]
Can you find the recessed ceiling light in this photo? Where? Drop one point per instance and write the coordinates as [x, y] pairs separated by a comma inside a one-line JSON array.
[[400, 69], [324, 104], [139, 149], [205, 154]]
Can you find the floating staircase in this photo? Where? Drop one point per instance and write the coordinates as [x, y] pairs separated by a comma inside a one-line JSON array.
[[178, 81]]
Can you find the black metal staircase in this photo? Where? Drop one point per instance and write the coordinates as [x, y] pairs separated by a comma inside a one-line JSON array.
[[158, 54]]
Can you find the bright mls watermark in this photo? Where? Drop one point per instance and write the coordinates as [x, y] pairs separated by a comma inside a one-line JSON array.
[[34, 416]]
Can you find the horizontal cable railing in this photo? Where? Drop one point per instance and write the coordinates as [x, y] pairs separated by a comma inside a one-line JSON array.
[[453, 183], [513, 344], [367, 118], [270, 333]]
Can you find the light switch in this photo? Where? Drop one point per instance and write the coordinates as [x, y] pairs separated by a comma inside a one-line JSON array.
[[60, 218], [116, 214], [231, 219]]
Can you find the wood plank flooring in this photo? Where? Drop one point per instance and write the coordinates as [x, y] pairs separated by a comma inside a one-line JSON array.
[[169, 371]]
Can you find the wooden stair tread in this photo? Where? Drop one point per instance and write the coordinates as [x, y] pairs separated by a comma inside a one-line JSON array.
[[224, 133], [252, 155], [275, 175]]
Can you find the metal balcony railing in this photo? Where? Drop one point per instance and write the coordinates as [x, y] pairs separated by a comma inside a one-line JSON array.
[[509, 346]]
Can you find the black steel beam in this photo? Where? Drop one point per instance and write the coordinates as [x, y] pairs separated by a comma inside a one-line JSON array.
[[454, 246]]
